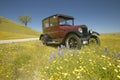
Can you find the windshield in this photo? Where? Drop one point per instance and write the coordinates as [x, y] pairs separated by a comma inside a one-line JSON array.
[[64, 21]]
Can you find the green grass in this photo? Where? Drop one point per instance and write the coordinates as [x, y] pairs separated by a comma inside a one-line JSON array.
[[33, 61], [11, 30], [112, 41], [21, 60]]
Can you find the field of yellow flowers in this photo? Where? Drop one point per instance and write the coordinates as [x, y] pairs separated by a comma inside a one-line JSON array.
[[33, 61]]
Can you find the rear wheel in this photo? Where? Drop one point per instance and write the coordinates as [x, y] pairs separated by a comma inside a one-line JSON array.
[[73, 41], [44, 40]]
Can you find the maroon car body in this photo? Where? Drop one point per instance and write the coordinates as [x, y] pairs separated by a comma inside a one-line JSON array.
[[60, 29]]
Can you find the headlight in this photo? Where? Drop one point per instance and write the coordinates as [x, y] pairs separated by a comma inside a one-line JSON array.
[[91, 31], [80, 30]]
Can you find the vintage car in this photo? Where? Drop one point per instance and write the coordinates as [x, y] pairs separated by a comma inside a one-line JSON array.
[[60, 29]]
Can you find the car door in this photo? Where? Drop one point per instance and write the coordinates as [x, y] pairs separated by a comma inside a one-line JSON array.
[[53, 29]]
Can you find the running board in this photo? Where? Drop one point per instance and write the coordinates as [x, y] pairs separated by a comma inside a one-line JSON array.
[[53, 42]]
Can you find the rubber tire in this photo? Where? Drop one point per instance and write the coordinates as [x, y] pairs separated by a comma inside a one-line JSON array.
[[96, 39], [78, 46], [44, 40]]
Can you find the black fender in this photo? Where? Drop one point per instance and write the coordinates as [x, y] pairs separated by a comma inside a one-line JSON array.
[[41, 36], [96, 38], [95, 33], [45, 35]]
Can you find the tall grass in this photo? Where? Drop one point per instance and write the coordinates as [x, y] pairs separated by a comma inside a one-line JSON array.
[[90, 63], [21, 60], [33, 61], [11, 35]]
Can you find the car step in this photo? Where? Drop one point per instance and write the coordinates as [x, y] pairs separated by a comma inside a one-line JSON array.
[[53, 42]]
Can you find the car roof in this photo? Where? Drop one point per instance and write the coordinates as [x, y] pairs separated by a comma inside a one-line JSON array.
[[60, 15]]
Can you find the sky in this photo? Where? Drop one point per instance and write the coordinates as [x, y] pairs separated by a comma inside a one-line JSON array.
[[102, 16]]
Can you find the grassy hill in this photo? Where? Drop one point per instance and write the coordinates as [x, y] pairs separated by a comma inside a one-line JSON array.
[[12, 30]]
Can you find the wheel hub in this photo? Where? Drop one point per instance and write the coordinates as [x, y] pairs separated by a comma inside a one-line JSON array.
[[72, 42]]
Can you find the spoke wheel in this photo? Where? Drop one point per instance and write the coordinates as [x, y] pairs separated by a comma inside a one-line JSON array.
[[43, 40], [94, 40], [73, 41]]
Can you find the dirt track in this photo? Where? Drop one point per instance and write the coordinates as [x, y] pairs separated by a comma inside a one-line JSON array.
[[17, 40]]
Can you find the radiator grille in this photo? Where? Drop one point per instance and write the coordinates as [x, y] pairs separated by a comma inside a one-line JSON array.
[[85, 30]]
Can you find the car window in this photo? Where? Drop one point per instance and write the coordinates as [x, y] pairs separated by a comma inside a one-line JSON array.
[[46, 23], [62, 21], [65, 21], [53, 21]]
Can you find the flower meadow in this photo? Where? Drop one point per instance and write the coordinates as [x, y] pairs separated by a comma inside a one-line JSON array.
[[33, 61], [90, 63], [20, 61]]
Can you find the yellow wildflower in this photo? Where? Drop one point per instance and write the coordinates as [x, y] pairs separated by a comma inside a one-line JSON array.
[[46, 67], [116, 70], [66, 60], [54, 61], [77, 62], [90, 60], [110, 64], [7, 76], [61, 67], [103, 56], [78, 77], [118, 66], [118, 60], [66, 74], [104, 68], [118, 76], [71, 55], [51, 78], [75, 71], [58, 68]]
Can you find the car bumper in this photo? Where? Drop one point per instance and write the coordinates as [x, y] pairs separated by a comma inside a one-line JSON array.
[[85, 40]]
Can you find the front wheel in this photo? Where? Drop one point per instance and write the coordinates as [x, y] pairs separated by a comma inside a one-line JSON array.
[[73, 41], [94, 40]]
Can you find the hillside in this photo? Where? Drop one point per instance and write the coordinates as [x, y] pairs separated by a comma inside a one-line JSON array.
[[12, 30]]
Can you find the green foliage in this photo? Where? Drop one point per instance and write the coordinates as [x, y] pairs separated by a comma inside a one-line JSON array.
[[25, 19], [22, 59]]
